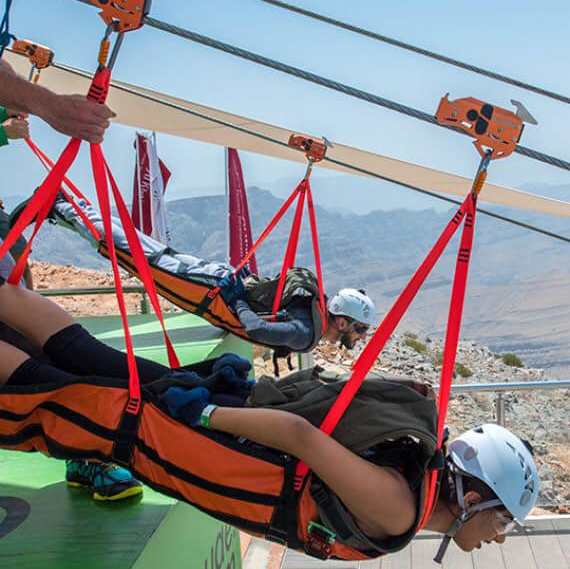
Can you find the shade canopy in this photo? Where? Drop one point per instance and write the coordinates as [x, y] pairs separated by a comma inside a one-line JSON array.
[[151, 110]]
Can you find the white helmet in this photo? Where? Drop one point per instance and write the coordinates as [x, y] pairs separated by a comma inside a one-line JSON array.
[[503, 462], [353, 304], [500, 460]]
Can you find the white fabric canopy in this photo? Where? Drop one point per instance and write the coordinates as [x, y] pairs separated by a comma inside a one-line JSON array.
[[151, 110]]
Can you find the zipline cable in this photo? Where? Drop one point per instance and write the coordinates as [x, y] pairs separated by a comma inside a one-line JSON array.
[[420, 50], [331, 84], [331, 160]]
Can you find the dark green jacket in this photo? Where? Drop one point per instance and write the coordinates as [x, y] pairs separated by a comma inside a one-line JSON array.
[[3, 117]]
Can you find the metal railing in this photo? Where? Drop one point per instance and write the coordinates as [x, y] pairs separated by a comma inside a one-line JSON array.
[[144, 304], [501, 388], [307, 360]]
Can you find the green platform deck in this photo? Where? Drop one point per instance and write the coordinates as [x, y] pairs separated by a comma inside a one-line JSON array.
[[45, 525]]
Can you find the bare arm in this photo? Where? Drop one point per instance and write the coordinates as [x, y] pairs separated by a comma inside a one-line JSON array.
[[378, 498], [73, 115]]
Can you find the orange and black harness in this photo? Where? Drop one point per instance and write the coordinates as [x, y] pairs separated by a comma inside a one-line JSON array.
[[237, 482]]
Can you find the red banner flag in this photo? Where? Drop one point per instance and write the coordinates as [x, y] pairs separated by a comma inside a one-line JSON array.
[[240, 226], [151, 178]]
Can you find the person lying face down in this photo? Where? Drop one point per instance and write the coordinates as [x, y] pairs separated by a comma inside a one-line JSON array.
[[298, 326], [376, 491]]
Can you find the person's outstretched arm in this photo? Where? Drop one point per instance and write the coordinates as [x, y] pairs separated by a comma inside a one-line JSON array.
[[293, 334], [379, 498], [73, 115]]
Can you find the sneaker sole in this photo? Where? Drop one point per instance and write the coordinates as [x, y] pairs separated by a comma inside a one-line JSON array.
[[72, 484], [127, 493]]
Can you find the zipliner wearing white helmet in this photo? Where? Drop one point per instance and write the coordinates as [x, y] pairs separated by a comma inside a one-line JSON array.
[[489, 487], [297, 329], [351, 314]]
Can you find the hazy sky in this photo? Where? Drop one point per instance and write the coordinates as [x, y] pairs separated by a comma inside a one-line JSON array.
[[525, 39]]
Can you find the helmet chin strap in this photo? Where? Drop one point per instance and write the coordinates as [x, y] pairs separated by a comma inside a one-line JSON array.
[[465, 514]]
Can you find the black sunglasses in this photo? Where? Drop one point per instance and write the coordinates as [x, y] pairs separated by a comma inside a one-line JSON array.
[[360, 328]]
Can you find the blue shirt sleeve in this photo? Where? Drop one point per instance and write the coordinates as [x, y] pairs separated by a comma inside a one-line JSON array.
[[293, 334]]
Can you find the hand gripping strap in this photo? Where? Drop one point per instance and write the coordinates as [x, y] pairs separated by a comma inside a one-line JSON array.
[[368, 356], [42, 201]]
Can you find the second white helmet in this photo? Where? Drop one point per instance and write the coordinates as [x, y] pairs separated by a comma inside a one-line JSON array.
[[353, 304], [503, 462]]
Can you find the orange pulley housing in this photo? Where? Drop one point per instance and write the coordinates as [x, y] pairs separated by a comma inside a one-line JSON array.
[[124, 15], [492, 127], [314, 149], [39, 55]]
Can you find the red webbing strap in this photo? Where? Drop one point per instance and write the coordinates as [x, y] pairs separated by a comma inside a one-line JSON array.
[[452, 341], [270, 227], [368, 356], [21, 263], [101, 186], [98, 92], [292, 245], [48, 164], [317, 255], [141, 263], [213, 293], [39, 207]]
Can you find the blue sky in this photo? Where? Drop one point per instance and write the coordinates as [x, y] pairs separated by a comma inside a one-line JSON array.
[[524, 39]]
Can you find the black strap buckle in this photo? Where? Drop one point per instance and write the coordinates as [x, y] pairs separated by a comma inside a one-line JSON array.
[[437, 461], [277, 535], [125, 437], [208, 298], [319, 541]]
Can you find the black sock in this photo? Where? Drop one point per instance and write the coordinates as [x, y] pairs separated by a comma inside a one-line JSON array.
[[76, 351], [34, 372]]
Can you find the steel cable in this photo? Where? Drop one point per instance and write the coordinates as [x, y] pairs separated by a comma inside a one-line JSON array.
[[337, 162], [334, 85], [419, 50]]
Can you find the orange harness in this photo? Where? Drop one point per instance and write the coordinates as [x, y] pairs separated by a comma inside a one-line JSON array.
[[245, 485]]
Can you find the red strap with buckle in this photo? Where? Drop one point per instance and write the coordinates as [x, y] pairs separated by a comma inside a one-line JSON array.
[[292, 244], [376, 344], [451, 342]]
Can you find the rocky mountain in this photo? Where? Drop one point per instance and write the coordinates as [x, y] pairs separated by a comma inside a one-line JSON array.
[[518, 299]]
